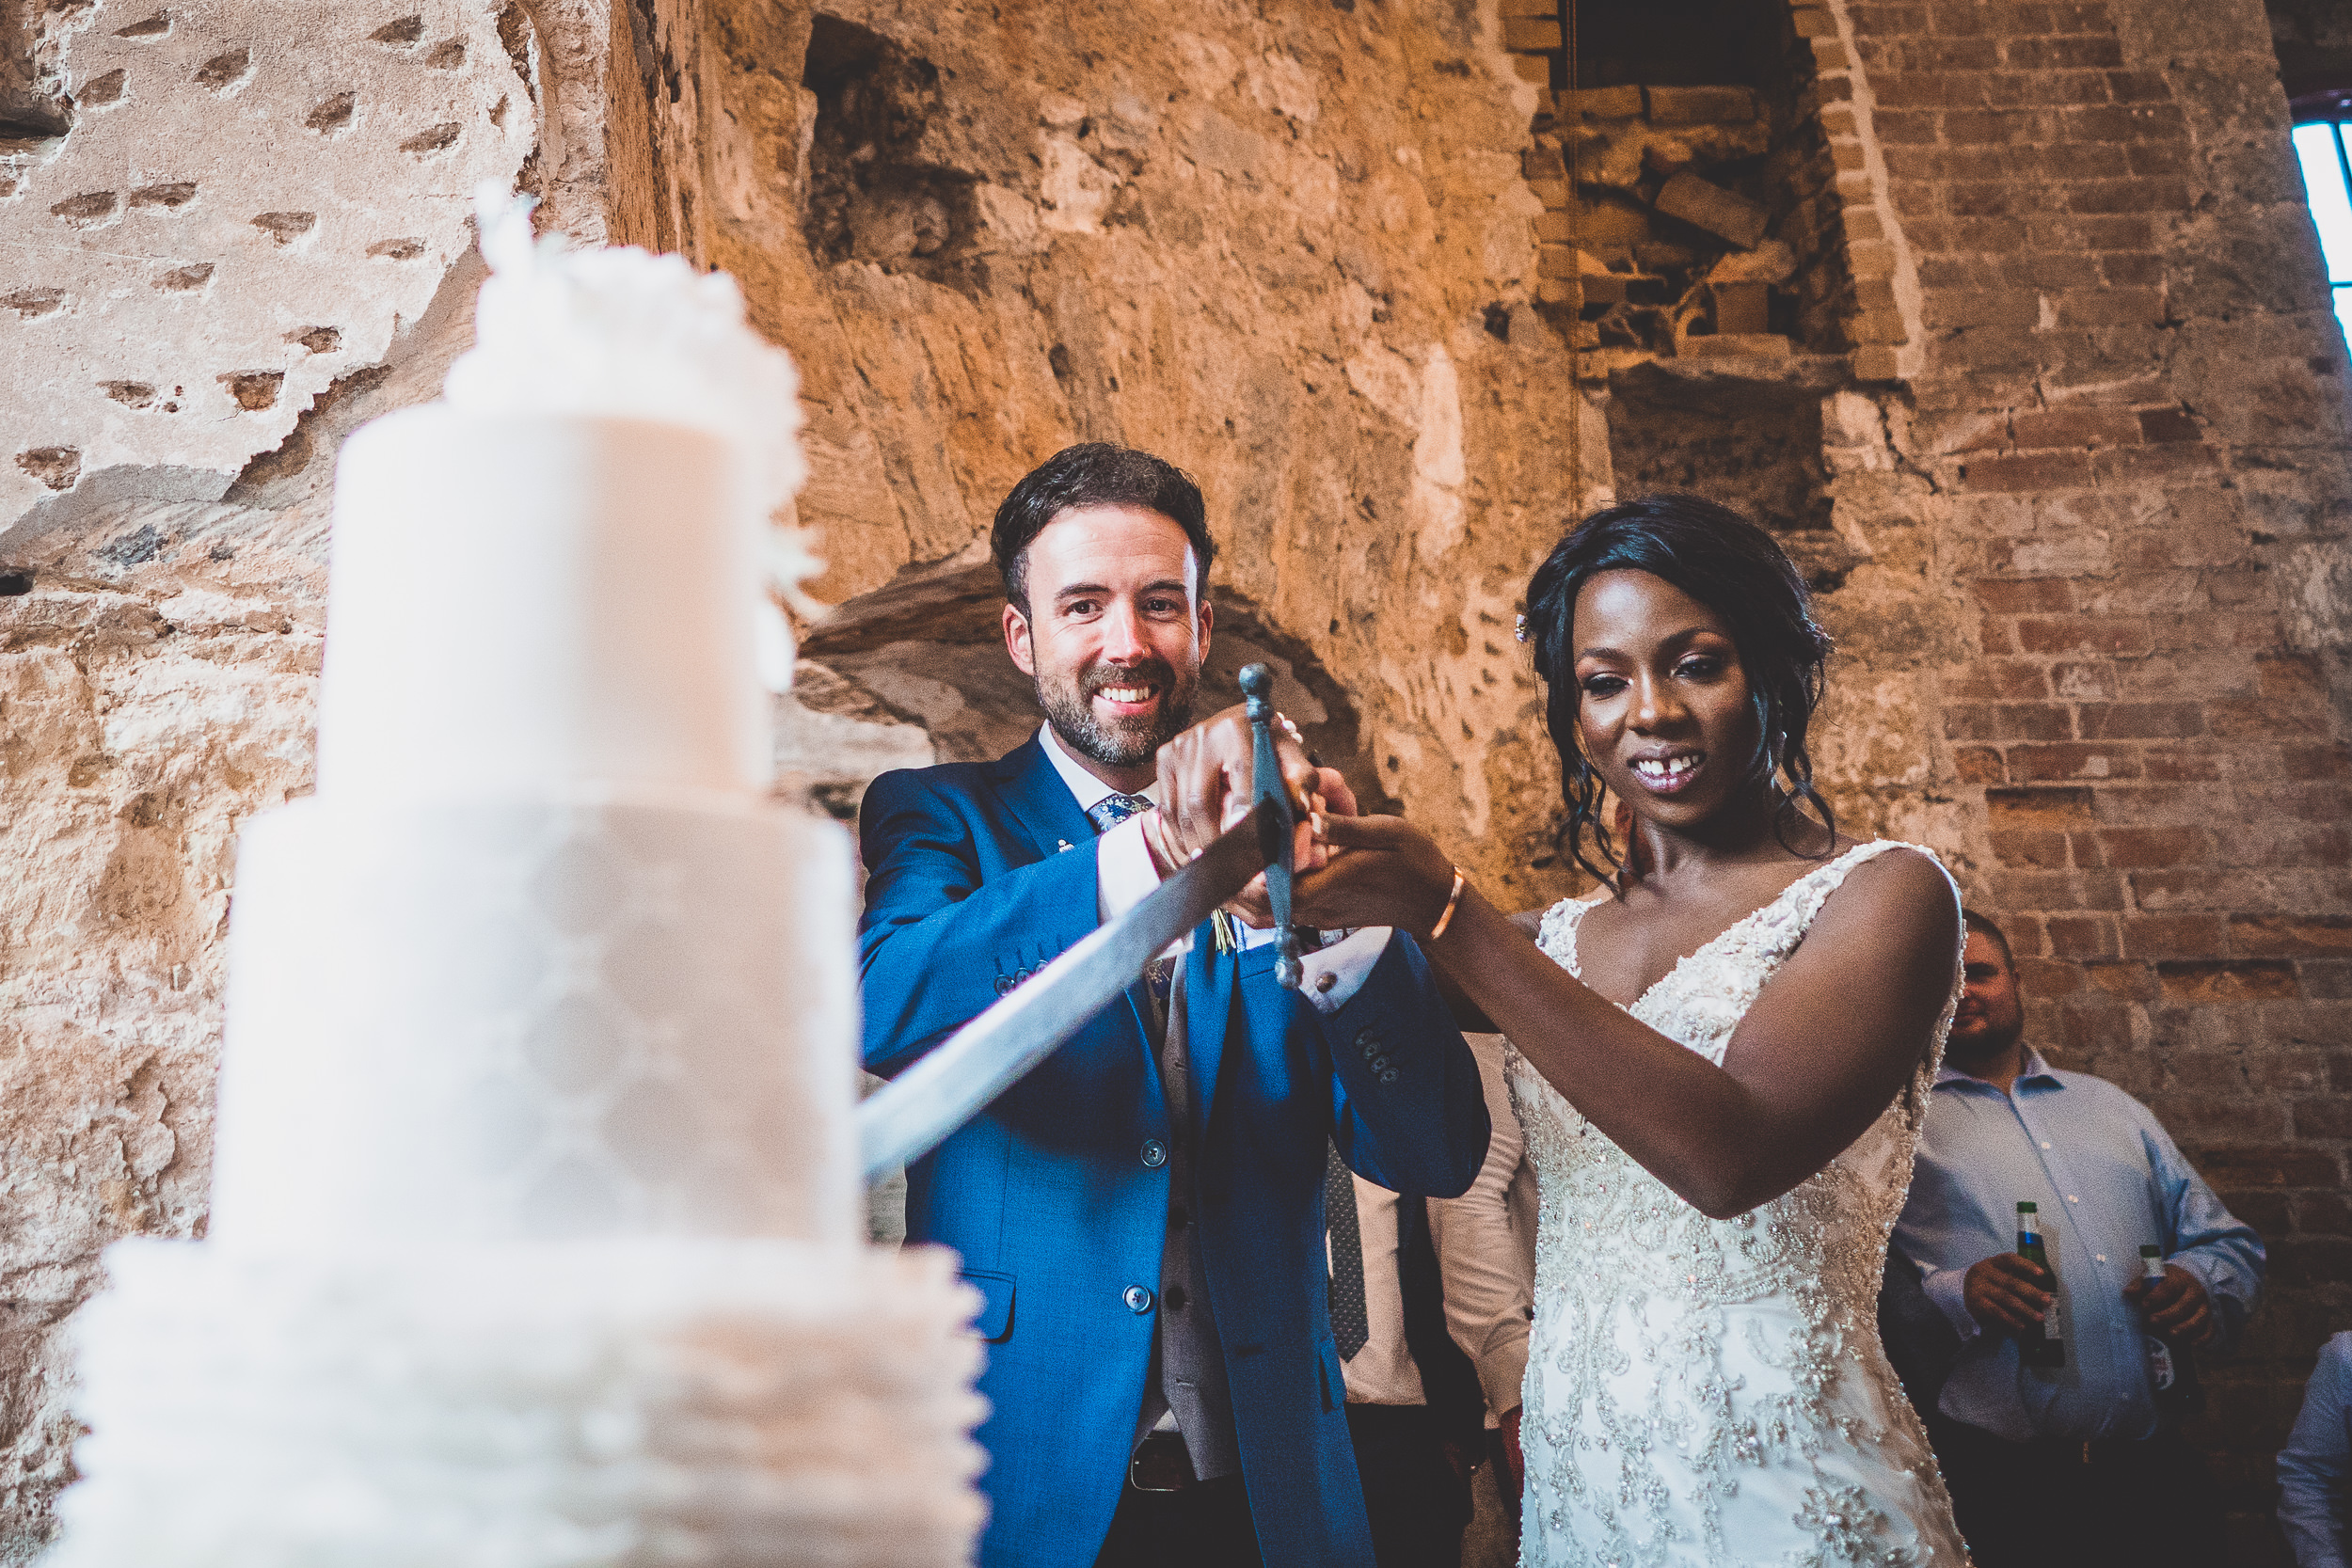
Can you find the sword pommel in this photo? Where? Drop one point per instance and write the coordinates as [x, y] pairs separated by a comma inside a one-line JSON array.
[[1278, 829]]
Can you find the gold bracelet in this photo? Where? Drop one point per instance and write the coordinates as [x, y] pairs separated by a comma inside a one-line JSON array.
[[1451, 900]]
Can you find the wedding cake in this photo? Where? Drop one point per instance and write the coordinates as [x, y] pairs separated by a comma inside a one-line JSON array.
[[534, 1238]]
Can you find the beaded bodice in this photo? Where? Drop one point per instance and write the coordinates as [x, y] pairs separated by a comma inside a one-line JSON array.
[[1676, 1356]]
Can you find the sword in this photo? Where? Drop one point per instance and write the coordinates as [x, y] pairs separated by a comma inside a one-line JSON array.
[[913, 1114]]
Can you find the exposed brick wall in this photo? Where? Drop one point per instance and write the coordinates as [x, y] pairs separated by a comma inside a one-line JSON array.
[[2129, 399]]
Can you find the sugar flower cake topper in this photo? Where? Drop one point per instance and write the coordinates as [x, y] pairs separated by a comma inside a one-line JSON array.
[[622, 332]]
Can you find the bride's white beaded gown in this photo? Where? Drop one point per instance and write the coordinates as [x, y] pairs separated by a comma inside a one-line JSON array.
[[1709, 1393]]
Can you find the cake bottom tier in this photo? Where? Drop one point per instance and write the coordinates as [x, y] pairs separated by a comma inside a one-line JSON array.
[[608, 1404]]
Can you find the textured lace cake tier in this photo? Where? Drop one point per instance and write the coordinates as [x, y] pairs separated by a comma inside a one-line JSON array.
[[642, 1405], [601, 1015]]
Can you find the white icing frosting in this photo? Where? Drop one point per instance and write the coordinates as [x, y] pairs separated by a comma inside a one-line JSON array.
[[642, 1405], [538, 1019], [622, 332], [529, 602], [619, 332]]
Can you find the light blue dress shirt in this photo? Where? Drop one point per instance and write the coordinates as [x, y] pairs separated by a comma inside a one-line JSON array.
[[2314, 1465], [2108, 1181]]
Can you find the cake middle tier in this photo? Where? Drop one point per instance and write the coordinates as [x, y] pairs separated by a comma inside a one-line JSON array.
[[606, 1014]]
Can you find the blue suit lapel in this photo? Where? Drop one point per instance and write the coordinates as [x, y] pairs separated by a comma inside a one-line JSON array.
[[1036, 799]]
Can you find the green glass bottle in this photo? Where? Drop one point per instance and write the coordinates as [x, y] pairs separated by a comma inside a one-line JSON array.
[[2048, 1349], [2172, 1372]]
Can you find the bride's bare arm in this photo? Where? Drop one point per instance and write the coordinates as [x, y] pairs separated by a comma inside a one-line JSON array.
[[1827, 1045]]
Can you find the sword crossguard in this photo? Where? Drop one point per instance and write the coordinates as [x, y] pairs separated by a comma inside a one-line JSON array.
[[1277, 832]]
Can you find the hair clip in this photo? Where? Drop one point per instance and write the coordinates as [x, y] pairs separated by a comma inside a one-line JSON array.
[[1520, 630]]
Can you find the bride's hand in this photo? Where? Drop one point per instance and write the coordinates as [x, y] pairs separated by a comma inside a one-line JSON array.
[[1382, 871]]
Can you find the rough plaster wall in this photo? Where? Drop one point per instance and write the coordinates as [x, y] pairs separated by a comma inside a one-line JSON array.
[[1286, 246], [297, 180], [156, 681]]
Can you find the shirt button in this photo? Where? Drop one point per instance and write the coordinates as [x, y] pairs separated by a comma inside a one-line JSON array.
[[1138, 1300], [2100, 1256], [2045, 1142], [2071, 1199], [1154, 1154]]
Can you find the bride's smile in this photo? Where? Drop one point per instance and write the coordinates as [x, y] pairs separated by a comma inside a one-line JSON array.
[[1660, 693]]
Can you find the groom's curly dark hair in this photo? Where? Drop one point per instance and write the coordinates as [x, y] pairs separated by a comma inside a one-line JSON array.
[[1735, 569]]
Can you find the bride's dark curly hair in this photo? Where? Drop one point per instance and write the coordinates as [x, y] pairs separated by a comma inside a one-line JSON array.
[[1733, 568]]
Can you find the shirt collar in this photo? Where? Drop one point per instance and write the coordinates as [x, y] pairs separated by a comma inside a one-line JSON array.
[[1090, 790], [2034, 1071]]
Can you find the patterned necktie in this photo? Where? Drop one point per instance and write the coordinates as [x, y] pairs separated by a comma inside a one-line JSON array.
[[1107, 814], [1350, 1324], [1113, 809]]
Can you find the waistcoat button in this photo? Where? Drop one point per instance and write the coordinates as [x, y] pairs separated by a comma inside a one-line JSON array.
[[1138, 1300], [1154, 1154]]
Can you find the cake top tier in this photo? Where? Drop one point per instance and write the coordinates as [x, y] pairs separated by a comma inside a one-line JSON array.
[[565, 572], [627, 334]]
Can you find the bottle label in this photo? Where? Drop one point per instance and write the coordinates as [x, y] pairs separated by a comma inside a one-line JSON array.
[[2160, 1371]]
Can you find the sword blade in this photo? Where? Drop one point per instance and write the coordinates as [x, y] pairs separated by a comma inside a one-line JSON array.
[[913, 1115]]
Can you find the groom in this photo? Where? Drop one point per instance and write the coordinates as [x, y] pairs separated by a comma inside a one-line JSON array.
[[1143, 1214]]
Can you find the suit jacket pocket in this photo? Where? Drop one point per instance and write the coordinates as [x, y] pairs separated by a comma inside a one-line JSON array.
[[994, 1323]]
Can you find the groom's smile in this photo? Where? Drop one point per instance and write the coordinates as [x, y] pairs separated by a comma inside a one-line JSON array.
[[1113, 633]]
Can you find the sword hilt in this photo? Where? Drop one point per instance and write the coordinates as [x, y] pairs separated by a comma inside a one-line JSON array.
[[1277, 831]]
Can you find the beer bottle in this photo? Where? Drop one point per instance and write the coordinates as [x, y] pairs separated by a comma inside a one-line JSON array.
[[2048, 1349], [2171, 1373]]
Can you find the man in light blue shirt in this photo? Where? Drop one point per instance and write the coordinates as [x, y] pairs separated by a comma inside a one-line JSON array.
[[2315, 1465], [2065, 1465]]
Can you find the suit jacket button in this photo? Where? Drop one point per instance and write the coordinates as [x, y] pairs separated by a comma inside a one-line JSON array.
[[1138, 1300], [1154, 1154], [1389, 1076], [1004, 983], [1380, 1066], [1363, 1037]]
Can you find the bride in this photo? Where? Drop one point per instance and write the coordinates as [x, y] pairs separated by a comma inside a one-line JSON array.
[[1721, 1062]]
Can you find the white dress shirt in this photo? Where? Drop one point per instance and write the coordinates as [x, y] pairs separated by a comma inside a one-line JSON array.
[[1486, 1241], [1383, 1370]]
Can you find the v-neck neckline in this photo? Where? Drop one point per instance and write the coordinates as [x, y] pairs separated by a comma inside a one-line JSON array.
[[1576, 930]]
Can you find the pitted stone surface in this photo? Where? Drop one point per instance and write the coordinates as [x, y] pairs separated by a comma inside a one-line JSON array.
[[253, 197]]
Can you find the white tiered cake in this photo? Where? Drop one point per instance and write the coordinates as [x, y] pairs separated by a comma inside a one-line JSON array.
[[534, 1236]]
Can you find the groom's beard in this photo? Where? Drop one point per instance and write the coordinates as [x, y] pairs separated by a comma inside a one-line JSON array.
[[1069, 704]]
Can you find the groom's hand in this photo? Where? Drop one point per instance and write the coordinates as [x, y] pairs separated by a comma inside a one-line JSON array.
[[1205, 788]]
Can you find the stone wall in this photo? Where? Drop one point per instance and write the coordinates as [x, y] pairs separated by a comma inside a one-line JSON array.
[[2033, 374]]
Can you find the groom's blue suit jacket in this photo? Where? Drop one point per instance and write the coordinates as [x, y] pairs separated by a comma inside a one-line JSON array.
[[978, 875]]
